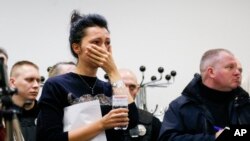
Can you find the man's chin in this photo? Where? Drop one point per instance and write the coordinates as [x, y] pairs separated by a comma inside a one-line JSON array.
[[31, 98], [235, 86]]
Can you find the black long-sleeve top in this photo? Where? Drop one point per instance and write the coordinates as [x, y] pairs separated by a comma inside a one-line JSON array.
[[64, 90]]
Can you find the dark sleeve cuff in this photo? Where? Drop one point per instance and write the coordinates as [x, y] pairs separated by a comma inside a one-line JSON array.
[[133, 115]]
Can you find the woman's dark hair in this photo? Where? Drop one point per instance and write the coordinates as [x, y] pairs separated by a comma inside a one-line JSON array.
[[79, 24]]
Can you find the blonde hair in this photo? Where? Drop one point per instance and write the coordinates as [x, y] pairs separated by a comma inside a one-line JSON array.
[[210, 58], [55, 69]]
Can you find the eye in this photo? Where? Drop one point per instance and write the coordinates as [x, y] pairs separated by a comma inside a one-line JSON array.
[[96, 42], [29, 79], [230, 67], [38, 80], [107, 43], [131, 87]]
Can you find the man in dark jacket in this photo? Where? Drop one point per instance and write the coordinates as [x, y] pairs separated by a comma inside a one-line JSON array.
[[25, 77], [210, 104], [149, 126]]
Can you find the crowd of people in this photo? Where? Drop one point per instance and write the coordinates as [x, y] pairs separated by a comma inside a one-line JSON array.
[[214, 99]]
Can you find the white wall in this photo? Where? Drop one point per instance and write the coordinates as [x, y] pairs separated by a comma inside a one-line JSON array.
[[168, 33]]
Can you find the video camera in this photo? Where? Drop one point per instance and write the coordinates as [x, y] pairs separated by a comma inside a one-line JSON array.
[[5, 90], [12, 127]]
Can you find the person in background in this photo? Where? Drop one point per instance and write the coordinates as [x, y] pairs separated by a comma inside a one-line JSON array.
[[61, 68], [58, 69], [239, 67], [246, 82], [25, 77], [4, 55], [210, 103], [148, 128], [90, 44]]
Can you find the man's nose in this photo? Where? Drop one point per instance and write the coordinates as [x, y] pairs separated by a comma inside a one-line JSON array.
[[36, 83]]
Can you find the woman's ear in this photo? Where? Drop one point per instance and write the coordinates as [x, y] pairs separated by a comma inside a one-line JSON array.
[[77, 48]]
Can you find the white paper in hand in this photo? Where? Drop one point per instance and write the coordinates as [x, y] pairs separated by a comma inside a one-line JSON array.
[[81, 114]]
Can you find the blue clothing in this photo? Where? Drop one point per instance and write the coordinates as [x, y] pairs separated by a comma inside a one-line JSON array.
[[190, 116], [65, 90]]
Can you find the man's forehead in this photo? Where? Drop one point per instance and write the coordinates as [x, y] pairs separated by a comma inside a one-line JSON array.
[[25, 70]]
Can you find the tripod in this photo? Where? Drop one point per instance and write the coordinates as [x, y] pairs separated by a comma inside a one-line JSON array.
[[13, 131]]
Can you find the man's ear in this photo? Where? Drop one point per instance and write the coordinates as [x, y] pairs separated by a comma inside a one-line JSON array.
[[12, 82], [77, 48], [210, 71]]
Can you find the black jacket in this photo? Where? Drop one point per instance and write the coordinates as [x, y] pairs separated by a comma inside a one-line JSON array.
[[27, 120], [148, 128], [187, 118]]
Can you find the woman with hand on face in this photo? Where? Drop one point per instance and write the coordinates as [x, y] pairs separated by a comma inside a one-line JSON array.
[[90, 44]]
